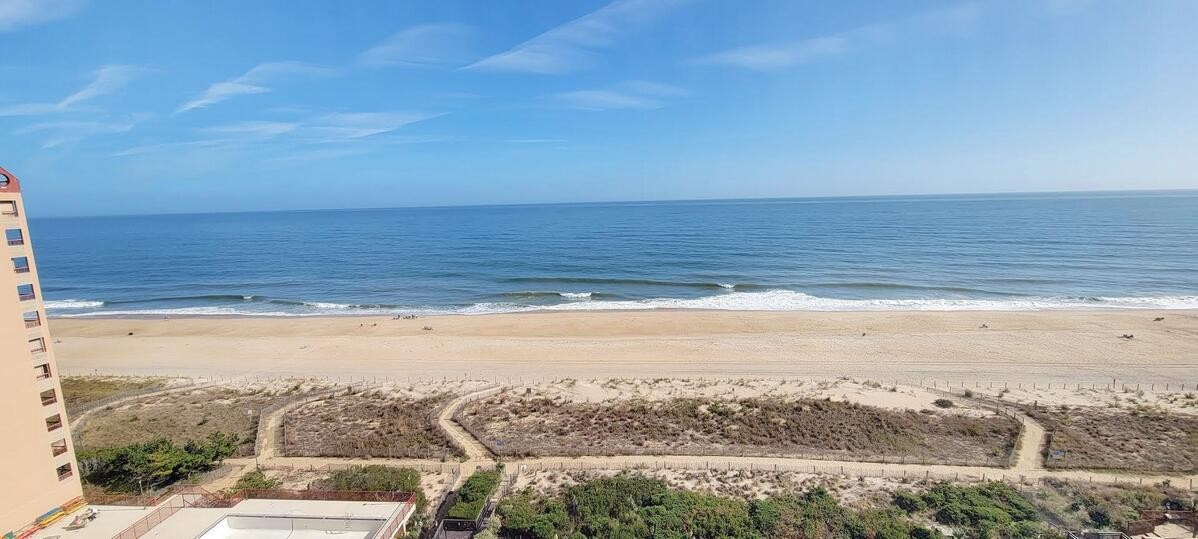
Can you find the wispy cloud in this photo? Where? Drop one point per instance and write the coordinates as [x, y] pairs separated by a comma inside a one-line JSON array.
[[632, 94], [769, 56], [253, 129], [69, 132], [107, 80], [344, 126], [254, 81], [16, 14], [317, 154], [571, 46], [423, 45]]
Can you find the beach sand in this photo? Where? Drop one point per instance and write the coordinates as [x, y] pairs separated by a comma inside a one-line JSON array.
[[907, 347]]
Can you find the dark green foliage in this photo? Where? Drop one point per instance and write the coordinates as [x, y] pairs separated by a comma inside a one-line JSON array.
[[989, 510], [153, 464], [473, 495], [257, 480], [943, 403], [909, 502], [376, 478]]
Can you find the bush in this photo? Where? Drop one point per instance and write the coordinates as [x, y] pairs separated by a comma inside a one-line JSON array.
[[257, 480], [376, 478], [909, 501], [943, 403], [473, 495], [153, 464]]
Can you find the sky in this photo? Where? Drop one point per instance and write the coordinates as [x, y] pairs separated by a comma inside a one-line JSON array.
[[130, 107]]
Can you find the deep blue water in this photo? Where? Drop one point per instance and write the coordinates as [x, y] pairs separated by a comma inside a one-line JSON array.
[[1100, 250]]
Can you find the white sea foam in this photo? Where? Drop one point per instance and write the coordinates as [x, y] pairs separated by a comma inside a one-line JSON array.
[[575, 295], [73, 304], [788, 300], [769, 300], [726, 286]]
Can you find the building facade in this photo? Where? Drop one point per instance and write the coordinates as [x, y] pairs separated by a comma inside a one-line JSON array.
[[38, 471]]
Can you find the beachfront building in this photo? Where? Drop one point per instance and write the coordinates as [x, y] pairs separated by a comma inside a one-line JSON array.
[[39, 480]]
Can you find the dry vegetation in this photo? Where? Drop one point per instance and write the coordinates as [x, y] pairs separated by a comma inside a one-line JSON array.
[[376, 423], [78, 391], [524, 423], [185, 415], [1141, 439]]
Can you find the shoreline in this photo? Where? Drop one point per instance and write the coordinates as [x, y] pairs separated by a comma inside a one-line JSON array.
[[393, 316], [1034, 346]]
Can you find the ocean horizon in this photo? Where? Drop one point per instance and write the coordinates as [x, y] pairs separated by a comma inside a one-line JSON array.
[[1012, 251]]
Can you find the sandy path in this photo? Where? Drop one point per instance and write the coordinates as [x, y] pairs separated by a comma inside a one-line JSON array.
[[1029, 347]]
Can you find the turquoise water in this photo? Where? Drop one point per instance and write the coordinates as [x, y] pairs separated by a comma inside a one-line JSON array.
[[1089, 250]]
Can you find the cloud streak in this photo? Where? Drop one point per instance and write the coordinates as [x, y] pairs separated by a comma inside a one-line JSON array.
[[632, 94], [254, 81], [573, 45], [16, 14], [772, 56], [107, 80], [418, 46], [70, 132]]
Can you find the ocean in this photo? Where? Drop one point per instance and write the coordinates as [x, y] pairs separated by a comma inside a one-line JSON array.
[[1003, 252]]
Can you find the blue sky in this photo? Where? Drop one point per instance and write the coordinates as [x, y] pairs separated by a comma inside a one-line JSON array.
[[172, 106]]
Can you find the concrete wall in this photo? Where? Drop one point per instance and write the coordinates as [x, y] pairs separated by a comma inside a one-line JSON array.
[[29, 483]]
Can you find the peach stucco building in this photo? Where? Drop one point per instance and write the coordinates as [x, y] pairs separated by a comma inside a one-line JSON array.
[[38, 472]]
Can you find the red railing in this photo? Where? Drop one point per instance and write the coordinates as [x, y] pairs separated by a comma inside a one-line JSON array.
[[33, 323], [43, 375], [20, 269], [25, 297], [46, 401], [58, 449], [64, 475], [20, 241], [37, 349]]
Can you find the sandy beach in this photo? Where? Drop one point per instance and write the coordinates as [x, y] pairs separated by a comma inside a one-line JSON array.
[[1018, 347]]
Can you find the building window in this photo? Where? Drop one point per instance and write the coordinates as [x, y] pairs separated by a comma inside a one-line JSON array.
[[59, 447], [14, 236], [32, 319], [20, 264], [48, 397], [54, 422], [64, 471], [25, 292], [42, 371], [37, 346], [8, 207]]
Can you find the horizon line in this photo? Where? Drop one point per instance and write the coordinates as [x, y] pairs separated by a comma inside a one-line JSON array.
[[638, 201]]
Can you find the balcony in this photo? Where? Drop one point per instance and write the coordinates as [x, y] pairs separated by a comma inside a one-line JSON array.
[[42, 371], [37, 346], [32, 319], [25, 292], [65, 471], [49, 397], [8, 208], [53, 423], [58, 448], [14, 236], [20, 264]]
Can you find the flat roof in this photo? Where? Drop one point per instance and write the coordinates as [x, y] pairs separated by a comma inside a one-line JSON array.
[[193, 522]]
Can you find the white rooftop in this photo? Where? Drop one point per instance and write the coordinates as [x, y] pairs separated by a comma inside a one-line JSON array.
[[257, 519]]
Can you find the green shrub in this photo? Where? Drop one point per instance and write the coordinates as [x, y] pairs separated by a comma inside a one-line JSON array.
[[257, 480], [154, 464], [944, 403], [473, 495], [376, 478], [909, 502]]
